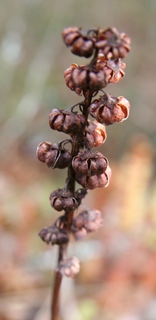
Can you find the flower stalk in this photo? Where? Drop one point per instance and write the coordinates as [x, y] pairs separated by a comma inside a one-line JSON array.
[[86, 167]]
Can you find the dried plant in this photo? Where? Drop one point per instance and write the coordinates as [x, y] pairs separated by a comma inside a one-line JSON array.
[[88, 168]]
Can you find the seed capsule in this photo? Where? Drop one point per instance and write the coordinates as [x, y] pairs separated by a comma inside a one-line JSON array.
[[54, 235], [87, 221], [95, 133], [82, 45], [69, 80], [89, 163], [53, 155], [69, 267], [109, 109], [42, 150], [113, 69], [114, 45], [66, 121], [87, 79], [96, 181], [91, 220], [63, 200], [69, 35]]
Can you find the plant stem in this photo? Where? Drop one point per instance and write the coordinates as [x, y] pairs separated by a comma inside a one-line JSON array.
[[57, 284], [55, 296], [76, 145]]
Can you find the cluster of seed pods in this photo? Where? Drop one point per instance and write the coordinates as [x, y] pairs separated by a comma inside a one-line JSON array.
[[85, 123]]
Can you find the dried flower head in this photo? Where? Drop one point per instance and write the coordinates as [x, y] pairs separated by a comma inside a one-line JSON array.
[[69, 80], [84, 78], [62, 199], [54, 235], [89, 163], [88, 79], [69, 35], [87, 221], [108, 109], [66, 121], [96, 181], [83, 47], [113, 69], [53, 155], [69, 267], [114, 45], [80, 41], [95, 133]]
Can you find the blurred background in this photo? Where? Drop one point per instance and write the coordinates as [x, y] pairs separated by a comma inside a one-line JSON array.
[[117, 280]]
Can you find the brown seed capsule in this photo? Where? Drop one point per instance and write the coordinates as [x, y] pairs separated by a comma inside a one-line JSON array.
[[58, 158], [53, 155], [82, 44], [79, 77], [89, 163], [63, 200], [95, 133], [85, 78], [69, 267], [69, 80], [109, 109], [42, 150], [54, 235], [117, 70], [96, 181], [66, 121], [114, 69], [69, 35], [83, 47], [91, 220], [87, 221], [114, 45]]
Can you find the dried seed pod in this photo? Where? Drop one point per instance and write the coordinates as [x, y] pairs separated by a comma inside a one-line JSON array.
[[87, 221], [66, 121], [114, 69], [89, 163], [70, 34], [87, 79], [82, 44], [95, 133], [83, 47], [96, 181], [53, 155], [114, 45], [54, 235], [69, 80], [63, 200], [58, 158], [42, 150], [109, 109], [69, 267], [91, 220]]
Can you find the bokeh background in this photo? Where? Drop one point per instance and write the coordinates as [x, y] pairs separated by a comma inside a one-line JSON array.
[[118, 264]]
